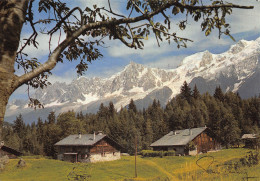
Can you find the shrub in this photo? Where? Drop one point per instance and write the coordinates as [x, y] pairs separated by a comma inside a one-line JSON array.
[[150, 153], [169, 153], [3, 161], [251, 159]]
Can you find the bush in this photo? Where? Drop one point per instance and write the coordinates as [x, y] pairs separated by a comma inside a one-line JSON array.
[[3, 161], [169, 153], [150, 153], [251, 159]]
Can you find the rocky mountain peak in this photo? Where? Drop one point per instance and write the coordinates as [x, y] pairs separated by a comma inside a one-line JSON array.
[[238, 47], [206, 59], [234, 70]]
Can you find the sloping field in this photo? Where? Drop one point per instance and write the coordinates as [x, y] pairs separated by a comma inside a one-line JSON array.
[[220, 165]]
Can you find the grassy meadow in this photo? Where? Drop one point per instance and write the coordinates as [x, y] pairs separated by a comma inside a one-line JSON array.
[[211, 166]]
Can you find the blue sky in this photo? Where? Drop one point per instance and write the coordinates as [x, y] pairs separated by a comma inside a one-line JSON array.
[[245, 24]]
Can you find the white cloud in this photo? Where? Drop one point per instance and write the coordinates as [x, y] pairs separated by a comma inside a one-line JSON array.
[[210, 42], [117, 49], [115, 4], [22, 90], [43, 47], [90, 3], [242, 20], [168, 62], [63, 73]]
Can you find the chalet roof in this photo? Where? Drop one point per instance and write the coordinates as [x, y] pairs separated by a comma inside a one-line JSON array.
[[179, 137], [249, 136], [10, 150], [83, 140]]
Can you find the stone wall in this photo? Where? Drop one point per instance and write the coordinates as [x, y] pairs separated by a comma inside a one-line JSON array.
[[193, 152], [106, 157]]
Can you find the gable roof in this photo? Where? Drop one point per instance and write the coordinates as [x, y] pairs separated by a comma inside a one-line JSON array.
[[249, 136], [10, 150], [84, 140], [179, 137]]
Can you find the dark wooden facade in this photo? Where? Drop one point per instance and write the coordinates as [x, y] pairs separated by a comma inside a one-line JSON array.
[[103, 147], [205, 143]]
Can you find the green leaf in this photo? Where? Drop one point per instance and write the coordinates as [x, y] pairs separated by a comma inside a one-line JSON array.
[[175, 10]]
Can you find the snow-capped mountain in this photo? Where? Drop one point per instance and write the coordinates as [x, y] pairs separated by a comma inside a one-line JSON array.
[[237, 70]]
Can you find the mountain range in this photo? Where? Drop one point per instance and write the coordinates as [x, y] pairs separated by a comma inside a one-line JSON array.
[[236, 70]]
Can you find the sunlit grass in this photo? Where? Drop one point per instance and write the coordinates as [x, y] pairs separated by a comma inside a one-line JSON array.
[[209, 167]]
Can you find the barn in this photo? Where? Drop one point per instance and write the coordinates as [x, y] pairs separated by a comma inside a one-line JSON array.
[[187, 141], [250, 140], [87, 148]]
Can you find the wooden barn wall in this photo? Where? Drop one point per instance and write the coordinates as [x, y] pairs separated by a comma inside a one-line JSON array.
[[205, 143], [102, 147], [10, 155]]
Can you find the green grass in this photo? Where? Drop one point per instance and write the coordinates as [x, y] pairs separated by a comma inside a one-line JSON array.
[[156, 169]]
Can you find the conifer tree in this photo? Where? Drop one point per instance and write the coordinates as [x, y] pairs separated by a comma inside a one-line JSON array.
[[195, 92], [230, 130], [39, 129], [80, 116], [132, 106], [69, 124], [186, 91], [51, 117], [148, 134], [19, 126], [219, 94], [111, 109]]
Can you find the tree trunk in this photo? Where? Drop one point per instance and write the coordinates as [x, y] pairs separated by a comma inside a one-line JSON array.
[[5, 93], [12, 18]]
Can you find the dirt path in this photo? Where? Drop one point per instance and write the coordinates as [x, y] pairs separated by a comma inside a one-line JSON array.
[[169, 175]]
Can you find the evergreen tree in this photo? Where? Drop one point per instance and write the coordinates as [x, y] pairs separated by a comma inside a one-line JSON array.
[[51, 117], [69, 124], [52, 134], [195, 92], [156, 115], [230, 129], [132, 106], [10, 138], [148, 134], [80, 116], [102, 118], [19, 126], [186, 92], [219, 94], [111, 109], [39, 130]]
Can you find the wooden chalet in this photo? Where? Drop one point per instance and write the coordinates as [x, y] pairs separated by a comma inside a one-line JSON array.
[[10, 152], [250, 140], [88, 148], [188, 141]]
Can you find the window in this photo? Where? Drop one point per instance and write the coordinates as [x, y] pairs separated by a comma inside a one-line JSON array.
[[83, 156]]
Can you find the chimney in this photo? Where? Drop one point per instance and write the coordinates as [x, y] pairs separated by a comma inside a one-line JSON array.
[[175, 132], [99, 133], [79, 136], [94, 136]]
